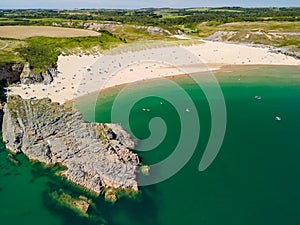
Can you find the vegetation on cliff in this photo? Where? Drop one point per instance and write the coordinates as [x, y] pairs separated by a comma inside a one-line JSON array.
[[42, 52]]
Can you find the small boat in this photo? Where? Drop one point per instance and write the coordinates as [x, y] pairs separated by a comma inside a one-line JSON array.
[[278, 118], [257, 97], [146, 110], [187, 110]]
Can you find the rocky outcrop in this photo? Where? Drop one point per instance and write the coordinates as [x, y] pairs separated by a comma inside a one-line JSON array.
[[287, 52], [27, 77], [225, 36], [153, 30], [15, 72], [11, 72], [113, 27], [95, 155], [78, 205], [222, 36], [1, 114]]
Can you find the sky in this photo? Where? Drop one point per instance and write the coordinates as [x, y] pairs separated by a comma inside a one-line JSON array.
[[134, 4]]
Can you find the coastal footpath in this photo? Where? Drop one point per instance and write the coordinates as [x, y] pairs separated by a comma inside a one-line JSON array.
[[96, 156]]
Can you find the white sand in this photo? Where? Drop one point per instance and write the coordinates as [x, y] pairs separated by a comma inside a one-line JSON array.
[[235, 54], [82, 75], [64, 86]]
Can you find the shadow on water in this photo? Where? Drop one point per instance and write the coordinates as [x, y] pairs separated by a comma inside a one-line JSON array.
[[131, 211], [68, 216], [125, 211]]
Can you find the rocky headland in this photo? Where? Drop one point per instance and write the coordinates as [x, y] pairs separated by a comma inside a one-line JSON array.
[[96, 156], [19, 72], [224, 36], [28, 77]]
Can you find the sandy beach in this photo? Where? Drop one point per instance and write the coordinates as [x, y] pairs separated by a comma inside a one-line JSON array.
[[80, 75]]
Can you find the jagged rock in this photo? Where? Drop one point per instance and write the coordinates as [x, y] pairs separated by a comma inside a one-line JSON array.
[[27, 77], [1, 115], [287, 52], [145, 170], [11, 72], [110, 195], [112, 27], [25, 73], [96, 155], [48, 75], [179, 32], [153, 30]]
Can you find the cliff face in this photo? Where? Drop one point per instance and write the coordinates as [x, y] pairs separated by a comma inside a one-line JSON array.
[[95, 155], [14, 72], [11, 72], [27, 77]]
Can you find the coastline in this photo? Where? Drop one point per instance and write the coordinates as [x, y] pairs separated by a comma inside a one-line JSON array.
[[81, 75], [225, 74]]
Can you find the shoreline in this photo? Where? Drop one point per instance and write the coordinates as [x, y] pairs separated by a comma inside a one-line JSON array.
[[222, 70], [82, 75]]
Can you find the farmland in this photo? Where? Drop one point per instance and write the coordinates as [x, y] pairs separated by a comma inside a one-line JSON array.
[[24, 32]]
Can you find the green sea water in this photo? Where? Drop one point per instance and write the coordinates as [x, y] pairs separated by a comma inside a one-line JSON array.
[[253, 180]]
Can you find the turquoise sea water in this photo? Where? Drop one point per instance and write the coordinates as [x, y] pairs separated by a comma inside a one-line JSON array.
[[253, 180]]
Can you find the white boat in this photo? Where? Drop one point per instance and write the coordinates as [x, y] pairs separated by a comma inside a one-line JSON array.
[[258, 97], [277, 118]]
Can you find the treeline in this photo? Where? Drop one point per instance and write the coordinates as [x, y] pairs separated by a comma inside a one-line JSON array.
[[154, 16]]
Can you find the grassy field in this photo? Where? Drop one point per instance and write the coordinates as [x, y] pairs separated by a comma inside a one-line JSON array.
[[42, 52], [23, 32], [40, 46], [7, 51], [278, 34]]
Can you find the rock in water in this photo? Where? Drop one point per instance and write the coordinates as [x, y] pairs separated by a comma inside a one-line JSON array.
[[96, 155]]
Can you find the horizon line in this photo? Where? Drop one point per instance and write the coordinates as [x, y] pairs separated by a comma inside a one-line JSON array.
[[194, 7]]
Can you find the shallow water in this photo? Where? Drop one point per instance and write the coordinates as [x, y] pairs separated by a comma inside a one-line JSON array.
[[253, 180]]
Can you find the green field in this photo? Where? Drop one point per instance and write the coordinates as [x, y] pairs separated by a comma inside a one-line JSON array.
[[278, 27], [42, 52]]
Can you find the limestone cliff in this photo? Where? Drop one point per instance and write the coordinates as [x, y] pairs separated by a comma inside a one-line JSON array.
[[11, 72], [95, 155], [15, 72], [27, 77]]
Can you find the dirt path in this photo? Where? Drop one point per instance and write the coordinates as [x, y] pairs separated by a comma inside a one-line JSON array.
[[3, 47]]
